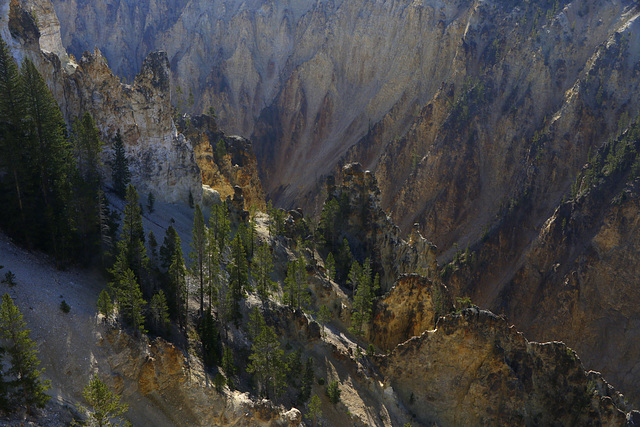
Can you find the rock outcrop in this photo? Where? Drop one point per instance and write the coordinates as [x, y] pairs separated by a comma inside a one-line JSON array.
[[224, 161], [474, 369], [160, 373], [411, 307], [360, 219], [161, 159]]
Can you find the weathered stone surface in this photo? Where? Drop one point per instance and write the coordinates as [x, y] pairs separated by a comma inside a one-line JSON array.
[[161, 159], [412, 306], [234, 165], [474, 369], [370, 230], [159, 372]]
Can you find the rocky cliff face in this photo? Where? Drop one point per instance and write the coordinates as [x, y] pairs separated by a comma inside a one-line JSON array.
[[369, 230], [161, 159], [474, 369], [159, 373], [411, 307], [224, 161]]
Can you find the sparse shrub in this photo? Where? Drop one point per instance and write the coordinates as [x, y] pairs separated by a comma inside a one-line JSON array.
[[320, 381], [218, 382], [333, 392], [64, 306], [9, 278]]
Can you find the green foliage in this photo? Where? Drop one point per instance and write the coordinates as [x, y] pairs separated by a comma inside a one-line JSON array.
[[9, 278], [104, 406], [330, 265], [333, 392], [151, 201], [26, 387], [295, 282], [177, 284], [132, 237], [262, 266], [315, 410], [64, 307], [105, 306], [238, 278], [364, 290], [307, 381], [190, 199], [128, 295], [221, 151], [276, 220], [462, 303], [198, 252], [159, 313], [210, 340], [324, 317], [266, 362], [218, 382], [120, 167], [228, 364], [168, 249]]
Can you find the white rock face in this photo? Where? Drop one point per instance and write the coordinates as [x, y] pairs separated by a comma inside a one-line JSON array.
[[161, 159]]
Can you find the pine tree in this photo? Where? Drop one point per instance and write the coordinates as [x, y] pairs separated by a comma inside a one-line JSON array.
[[27, 386], [238, 277], [151, 201], [315, 410], [168, 248], [295, 282], [213, 258], [159, 313], [153, 248], [89, 197], [266, 362], [120, 167], [363, 294], [221, 225], [105, 306], [104, 405], [128, 295], [14, 147], [307, 381], [330, 265], [198, 251], [53, 167], [262, 266], [210, 340], [132, 236], [178, 292]]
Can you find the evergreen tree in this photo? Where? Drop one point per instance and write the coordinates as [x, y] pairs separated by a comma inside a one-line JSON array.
[[132, 236], [104, 405], [315, 409], [262, 266], [105, 306], [210, 340], [213, 259], [90, 219], [153, 248], [52, 165], [238, 278], [266, 362], [198, 251], [128, 295], [307, 381], [159, 313], [295, 282], [14, 146], [151, 201], [27, 386], [364, 294], [221, 225], [330, 265], [178, 292], [168, 248], [120, 167]]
